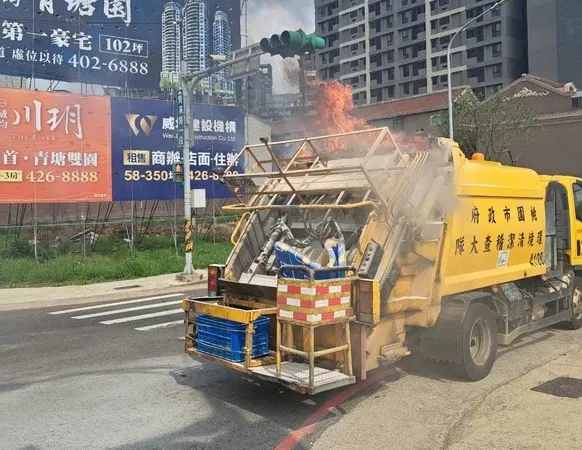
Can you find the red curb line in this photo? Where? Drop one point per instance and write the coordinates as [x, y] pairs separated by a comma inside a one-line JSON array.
[[306, 428]]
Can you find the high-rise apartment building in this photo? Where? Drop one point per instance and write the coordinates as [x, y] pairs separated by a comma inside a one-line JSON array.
[[171, 39], [555, 39], [221, 38], [195, 45], [397, 48], [221, 45]]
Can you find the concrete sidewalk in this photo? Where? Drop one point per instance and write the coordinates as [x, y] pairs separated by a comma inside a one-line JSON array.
[[427, 409], [31, 298]]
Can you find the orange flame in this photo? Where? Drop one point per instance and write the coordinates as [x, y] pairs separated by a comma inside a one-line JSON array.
[[334, 103], [334, 107]]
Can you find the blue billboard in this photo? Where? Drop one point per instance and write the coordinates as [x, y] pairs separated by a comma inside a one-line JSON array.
[[107, 42], [145, 148]]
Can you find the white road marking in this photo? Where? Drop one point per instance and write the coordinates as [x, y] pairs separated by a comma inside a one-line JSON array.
[[124, 310], [107, 305], [160, 325], [143, 316]]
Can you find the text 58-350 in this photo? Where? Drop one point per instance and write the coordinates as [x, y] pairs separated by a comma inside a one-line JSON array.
[[113, 65]]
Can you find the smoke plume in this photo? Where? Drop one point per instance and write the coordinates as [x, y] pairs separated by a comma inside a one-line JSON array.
[[266, 17]]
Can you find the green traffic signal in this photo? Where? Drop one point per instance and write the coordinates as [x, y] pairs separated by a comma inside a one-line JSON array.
[[292, 43]]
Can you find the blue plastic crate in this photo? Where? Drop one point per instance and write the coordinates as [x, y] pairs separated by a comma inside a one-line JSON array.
[[226, 339]]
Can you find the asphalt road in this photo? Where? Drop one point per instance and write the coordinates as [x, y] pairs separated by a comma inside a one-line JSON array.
[[114, 376], [78, 383]]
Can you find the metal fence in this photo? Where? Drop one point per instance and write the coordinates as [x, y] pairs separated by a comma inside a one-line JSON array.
[[43, 231]]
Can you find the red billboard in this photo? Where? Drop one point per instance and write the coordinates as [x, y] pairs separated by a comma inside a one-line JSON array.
[[54, 147]]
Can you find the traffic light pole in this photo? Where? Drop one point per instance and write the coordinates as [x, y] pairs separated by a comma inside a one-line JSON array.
[[189, 82]]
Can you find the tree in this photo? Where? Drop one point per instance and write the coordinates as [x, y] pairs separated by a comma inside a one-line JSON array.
[[166, 84], [498, 127]]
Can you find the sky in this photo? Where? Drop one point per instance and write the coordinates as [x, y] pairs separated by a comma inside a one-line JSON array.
[[266, 17]]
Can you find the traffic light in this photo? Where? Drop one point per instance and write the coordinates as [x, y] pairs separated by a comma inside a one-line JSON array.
[[292, 43], [178, 173]]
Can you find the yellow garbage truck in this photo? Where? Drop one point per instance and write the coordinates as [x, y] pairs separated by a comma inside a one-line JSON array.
[[353, 250]]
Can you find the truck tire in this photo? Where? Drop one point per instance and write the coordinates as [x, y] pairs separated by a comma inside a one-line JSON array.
[[576, 305], [478, 342]]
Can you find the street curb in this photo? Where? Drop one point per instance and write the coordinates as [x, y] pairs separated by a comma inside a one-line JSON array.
[[101, 298]]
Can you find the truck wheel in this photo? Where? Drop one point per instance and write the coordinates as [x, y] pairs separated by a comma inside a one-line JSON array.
[[576, 320], [478, 342]]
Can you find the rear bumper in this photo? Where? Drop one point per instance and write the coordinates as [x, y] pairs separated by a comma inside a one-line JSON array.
[[294, 376]]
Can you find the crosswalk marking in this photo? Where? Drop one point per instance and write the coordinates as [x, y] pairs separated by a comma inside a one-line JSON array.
[[108, 305], [160, 325], [124, 310], [143, 316]]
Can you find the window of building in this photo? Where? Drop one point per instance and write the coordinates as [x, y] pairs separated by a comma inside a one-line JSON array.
[[398, 123], [405, 71], [443, 3], [354, 64], [497, 71], [406, 88], [577, 102], [496, 50], [496, 29], [444, 40], [435, 119], [405, 35], [444, 21]]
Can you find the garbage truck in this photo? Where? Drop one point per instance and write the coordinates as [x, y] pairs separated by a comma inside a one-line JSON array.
[[354, 250]]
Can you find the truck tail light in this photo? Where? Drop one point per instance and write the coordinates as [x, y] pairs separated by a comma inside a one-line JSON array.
[[214, 273]]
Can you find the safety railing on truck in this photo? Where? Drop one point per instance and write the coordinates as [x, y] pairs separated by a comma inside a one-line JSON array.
[[307, 300], [316, 166]]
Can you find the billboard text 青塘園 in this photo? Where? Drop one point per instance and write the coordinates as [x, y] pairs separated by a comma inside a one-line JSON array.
[[107, 42]]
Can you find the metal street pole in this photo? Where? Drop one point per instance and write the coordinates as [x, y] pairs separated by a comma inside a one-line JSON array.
[[449, 68], [188, 243], [189, 82]]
